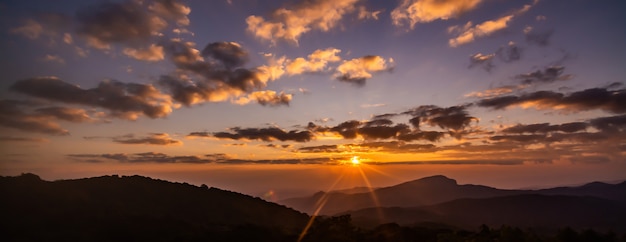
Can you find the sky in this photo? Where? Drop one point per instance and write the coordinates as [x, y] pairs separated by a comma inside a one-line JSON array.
[[278, 98]]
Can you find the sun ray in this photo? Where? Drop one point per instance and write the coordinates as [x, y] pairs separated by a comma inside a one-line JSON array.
[[320, 204], [372, 193]]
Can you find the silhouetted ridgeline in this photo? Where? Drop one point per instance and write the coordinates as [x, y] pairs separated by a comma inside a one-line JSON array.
[[112, 208], [135, 208]]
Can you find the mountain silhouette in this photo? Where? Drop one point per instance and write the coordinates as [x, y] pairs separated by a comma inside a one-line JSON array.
[[434, 190], [527, 210], [424, 191], [136, 208]]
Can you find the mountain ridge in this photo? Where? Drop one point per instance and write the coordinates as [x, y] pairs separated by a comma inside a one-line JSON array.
[[437, 189]]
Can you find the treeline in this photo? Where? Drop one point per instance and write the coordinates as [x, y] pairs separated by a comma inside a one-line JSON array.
[[341, 229]]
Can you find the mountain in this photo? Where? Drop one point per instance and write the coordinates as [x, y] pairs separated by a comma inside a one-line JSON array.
[[595, 189], [527, 210], [112, 208], [433, 190], [425, 191]]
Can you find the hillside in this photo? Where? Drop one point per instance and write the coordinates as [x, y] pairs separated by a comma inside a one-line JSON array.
[[529, 210], [112, 208]]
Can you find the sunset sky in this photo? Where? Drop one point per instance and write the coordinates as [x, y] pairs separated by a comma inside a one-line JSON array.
[[278, 97]]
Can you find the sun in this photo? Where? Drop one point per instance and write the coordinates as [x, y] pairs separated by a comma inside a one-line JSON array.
[[355, 161]]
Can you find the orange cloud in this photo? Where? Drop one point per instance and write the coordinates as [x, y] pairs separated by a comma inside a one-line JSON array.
[[152, 53], [268, 97], [316, 61], [290, 24], [469, 33], [424, 11], [359, 69]]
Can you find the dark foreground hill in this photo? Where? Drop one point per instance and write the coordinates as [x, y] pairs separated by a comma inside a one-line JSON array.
[[135, 208], [525, 211]]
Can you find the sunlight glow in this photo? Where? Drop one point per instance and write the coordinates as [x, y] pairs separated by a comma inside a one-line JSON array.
[[355, 161]]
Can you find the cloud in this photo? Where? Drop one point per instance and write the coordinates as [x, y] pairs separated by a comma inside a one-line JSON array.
[[611, 124], [229, 54], [21, 139], [172, 10], [152, 53], [53, 58], [424, 11], [536, 37], [75, 115], [123, 100], [509, 53], [117, 22], [149, 157], [358, 70], [263, 134], [12, 115], [548, 75], [129, 22], [546, 128], [290, 24], [315, 62], [266, 98], [484, 61], [454, 117], [319, 149], [216, 74], [49, 25], [365, 14], [493, 92], [469, 33], [588, 99], [152, 139]]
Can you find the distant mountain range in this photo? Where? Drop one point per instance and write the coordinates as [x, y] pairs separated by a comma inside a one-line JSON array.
[[440, 199], [135, 208]]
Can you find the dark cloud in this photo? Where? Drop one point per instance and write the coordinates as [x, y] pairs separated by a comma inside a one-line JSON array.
[[218, 77], [264, 134], [454, 117], [129, 22], [524, 138], [484, 61], [432, 136], [548, 75], [148, 157], [509, 53], [12, 115], [229, 54], [348, 129], [541, 38], [383, 131], [610, 124], [123, 100], [153, 139], [546, 127], [589, 99], [398, 147], [319, 149], [121, 22]]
